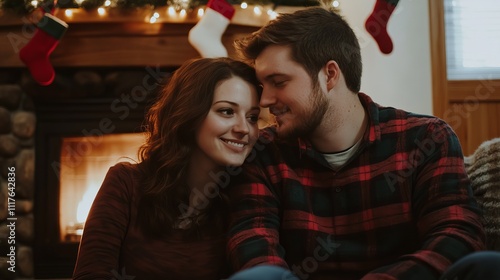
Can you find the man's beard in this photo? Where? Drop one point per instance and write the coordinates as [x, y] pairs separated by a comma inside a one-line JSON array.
[[311, 118]]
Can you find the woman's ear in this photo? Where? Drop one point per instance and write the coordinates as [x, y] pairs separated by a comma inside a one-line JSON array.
[[332, 74]]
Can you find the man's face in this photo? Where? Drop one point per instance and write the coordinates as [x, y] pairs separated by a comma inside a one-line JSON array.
[[288, 91]]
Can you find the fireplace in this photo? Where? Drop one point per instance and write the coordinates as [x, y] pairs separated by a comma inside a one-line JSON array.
[[77, 140]]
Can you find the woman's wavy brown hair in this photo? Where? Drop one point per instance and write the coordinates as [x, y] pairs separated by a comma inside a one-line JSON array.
[[171, 124]]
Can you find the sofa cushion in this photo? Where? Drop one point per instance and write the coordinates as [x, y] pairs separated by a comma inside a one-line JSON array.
[[483, 168]]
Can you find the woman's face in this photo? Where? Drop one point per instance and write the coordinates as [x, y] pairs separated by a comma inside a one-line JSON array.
[[229, 131]]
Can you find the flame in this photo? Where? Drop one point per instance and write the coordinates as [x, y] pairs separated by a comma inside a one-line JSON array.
[[85, 204]]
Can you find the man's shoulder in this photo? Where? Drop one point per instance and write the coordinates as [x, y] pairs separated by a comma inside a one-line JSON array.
[[391, 114]]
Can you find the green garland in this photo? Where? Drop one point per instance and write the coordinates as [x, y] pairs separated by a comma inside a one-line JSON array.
[[25, 6]]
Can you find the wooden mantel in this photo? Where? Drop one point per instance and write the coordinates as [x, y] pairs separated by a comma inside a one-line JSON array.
[[119, 39]]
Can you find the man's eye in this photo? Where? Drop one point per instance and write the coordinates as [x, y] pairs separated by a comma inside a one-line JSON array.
[[279, 83], [226, 111], [253, 118]]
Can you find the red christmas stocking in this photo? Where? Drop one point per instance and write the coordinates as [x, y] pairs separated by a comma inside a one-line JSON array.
[[376, 24], [36, 53], [206, 35]]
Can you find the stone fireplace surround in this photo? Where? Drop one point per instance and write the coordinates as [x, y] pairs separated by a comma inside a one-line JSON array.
[[99, 62]]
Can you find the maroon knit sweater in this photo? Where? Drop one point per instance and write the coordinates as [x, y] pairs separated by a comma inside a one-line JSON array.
[[113, 247]]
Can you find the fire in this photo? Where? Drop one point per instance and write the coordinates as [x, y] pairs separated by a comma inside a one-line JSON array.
[[84, 205], [84, 164]]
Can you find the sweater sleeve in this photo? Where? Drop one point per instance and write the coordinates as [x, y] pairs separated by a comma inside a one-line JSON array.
[[105, 228], [255, 222], [448, 217]]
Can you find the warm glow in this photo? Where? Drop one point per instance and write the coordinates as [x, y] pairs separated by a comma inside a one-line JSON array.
[[84, 163], [171, 11], [84, 205], [101, 11], [201, 12], [182, 13], [154, 17], [257, 10], [272, 14]]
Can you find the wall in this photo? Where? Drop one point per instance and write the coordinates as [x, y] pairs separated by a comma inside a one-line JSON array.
[[401, 79]]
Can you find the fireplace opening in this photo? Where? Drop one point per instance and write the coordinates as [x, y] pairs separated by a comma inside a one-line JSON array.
[[82, 176]]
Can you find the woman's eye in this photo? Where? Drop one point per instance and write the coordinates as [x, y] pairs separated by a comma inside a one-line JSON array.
[[226, 111]]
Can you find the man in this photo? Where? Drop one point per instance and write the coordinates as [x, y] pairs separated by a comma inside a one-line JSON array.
[[342, 188]]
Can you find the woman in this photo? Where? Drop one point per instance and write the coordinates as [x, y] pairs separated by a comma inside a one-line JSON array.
[[165, 217]]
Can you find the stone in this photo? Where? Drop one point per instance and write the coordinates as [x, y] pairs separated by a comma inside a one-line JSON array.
[[61, 87], [27, 143], [4, 272], [25, 170], [89, 82], [123, 82], [5, 120], [9, 145], [23, 124], [9, 75], [25, 261], [24, 206], [25, 228], [10, 96], [3, 201], [5, 163]]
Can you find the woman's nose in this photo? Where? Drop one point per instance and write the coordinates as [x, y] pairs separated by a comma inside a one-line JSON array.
[[241, 125]]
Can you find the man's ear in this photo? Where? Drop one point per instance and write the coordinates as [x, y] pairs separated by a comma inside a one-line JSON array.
[[332, 74]]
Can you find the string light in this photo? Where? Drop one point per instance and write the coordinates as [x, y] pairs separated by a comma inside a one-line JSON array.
[[272, 14], [257, 10], [201, 12], [171, 11], [154, 17], [101, 11], [176, 10], [183, 13], [335, 4]]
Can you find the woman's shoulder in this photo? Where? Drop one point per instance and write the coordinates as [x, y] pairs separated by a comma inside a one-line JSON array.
[[124, 175], [125, 166]]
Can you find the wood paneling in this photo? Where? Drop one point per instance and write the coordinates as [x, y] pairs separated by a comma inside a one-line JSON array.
[[471, 107]]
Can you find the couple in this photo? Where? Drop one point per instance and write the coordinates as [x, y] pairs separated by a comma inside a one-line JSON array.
[[339, 188]]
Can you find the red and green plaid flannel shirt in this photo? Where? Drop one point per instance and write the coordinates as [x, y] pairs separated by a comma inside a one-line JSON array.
[[401, 208]]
